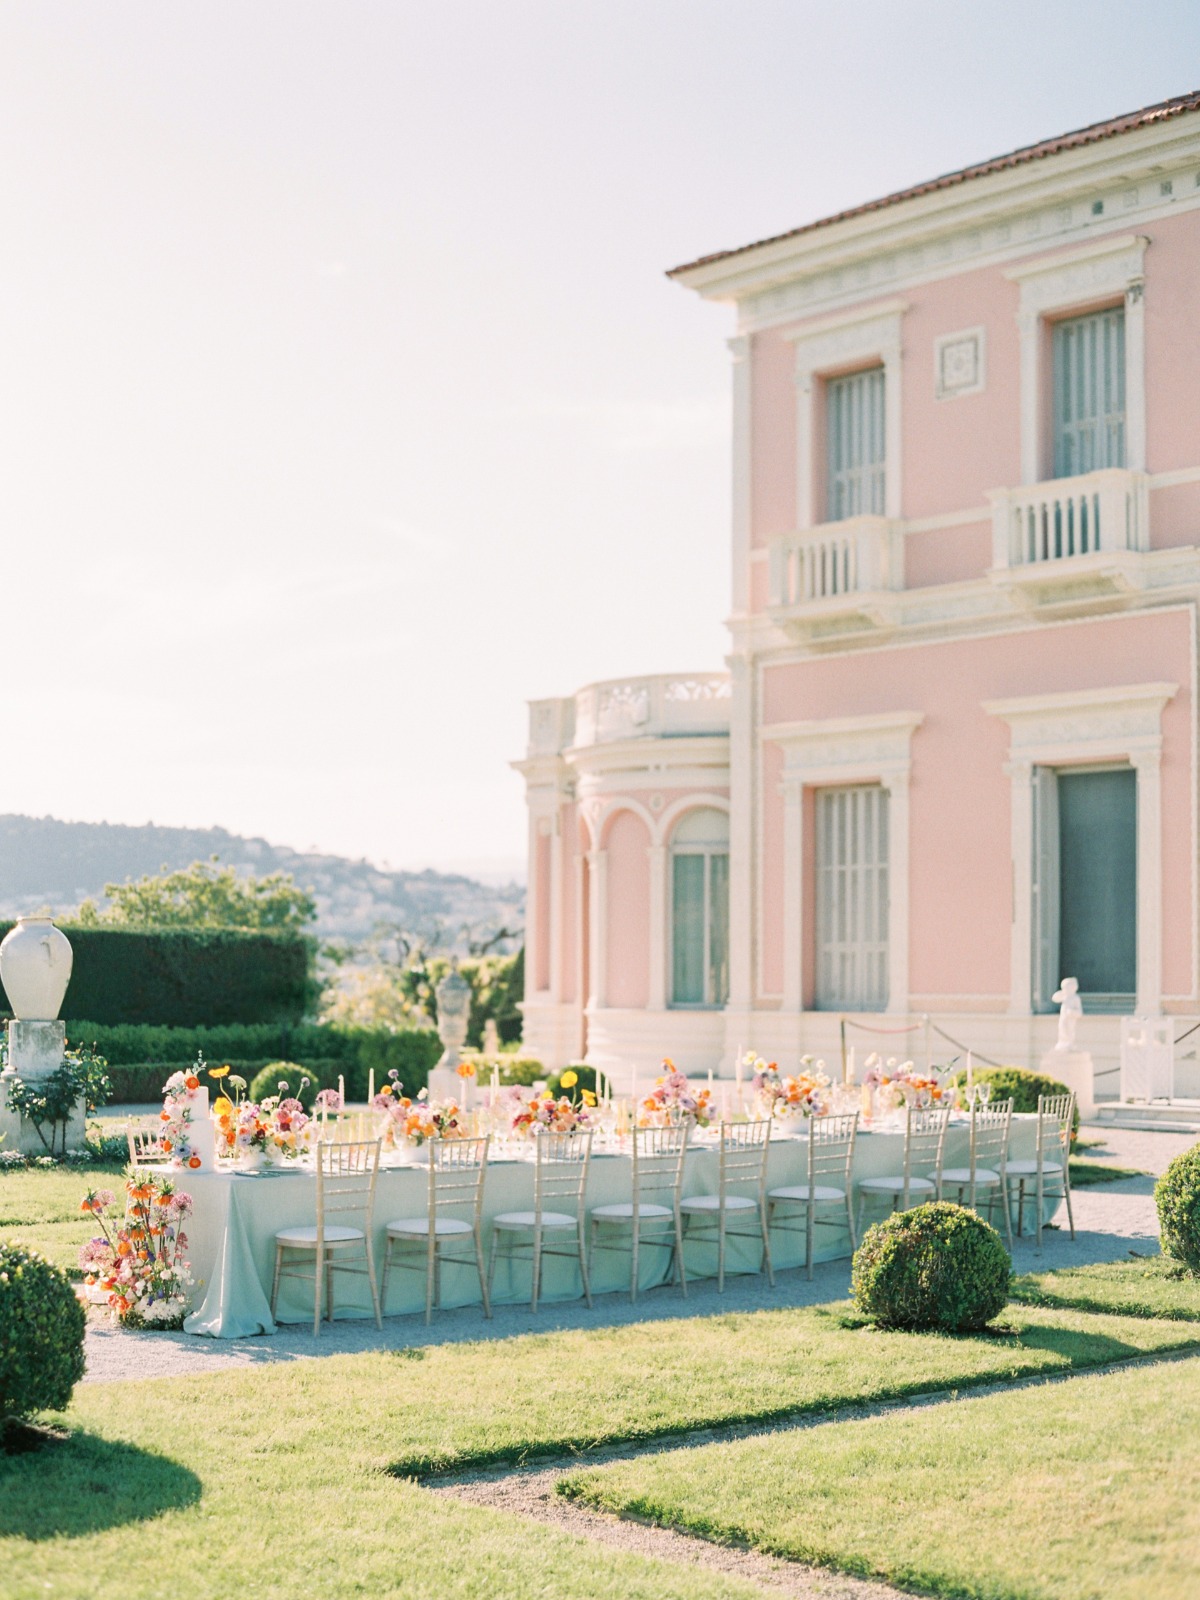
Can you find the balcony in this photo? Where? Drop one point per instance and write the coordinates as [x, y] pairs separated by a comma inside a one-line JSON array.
[[838, 578], [1072, 541], [667, 706]]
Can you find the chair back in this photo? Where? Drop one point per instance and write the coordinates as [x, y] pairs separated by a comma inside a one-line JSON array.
[[990, 1125], [145, 1143], [745, 1147], [831, 1149], [1056, 1120], [457, 1168], [658, 1161], [346, 1174], [924, 1141], [561, 1167]]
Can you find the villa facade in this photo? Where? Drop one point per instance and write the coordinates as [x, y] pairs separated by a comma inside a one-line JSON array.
[[953, 759]]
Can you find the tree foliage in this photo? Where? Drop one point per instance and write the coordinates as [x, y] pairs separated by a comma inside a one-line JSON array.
[[205, 895]]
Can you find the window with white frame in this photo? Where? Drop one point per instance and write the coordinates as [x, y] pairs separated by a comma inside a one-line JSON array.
[[700, 909], [852, 898], [855, 445], [1089, 392]]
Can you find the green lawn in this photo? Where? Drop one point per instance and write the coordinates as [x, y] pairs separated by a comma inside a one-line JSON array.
[[1086, 1173], [41, 1207], [1149, 1286], [1064, 1492]]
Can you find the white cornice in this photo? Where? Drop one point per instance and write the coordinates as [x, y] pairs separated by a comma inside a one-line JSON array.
[[1115, 244], [984, 222]]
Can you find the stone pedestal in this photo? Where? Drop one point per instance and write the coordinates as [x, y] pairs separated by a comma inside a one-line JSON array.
[[445, 1084], [1076, 1070], [35, 1050]]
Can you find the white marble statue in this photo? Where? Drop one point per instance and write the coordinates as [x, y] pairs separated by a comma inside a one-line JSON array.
[[1070, 1010]]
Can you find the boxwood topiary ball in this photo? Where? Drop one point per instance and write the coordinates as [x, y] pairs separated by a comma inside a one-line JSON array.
[[41, 1334], [1177, 1195], [938, 1266]]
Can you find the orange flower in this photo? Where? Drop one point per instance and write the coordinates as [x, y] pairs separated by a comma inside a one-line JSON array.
[[124, 1247], [193, 1083], [194, 1161], [166, 1144], [164, 1116], [466, 1069]]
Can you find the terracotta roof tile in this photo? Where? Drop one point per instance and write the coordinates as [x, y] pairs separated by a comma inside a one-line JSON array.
[[1166, 109]]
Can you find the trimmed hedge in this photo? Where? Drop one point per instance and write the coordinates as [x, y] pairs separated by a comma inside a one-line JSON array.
[[142, 1058], [185, 977], [1024, 1087], [937, 1266], [42, 1324], [1177, 1196]]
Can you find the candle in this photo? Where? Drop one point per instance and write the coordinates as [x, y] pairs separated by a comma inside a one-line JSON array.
[[970, 1071], [710, 1085], [850, 1065], [341, 1092], [371, 1087]]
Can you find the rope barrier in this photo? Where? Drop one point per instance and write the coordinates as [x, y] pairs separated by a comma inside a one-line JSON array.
[[863, 1028], [1188, 1033], [976, 1055]]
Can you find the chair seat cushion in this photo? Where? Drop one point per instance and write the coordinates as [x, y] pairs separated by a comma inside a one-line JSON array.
[[623, 1211], [528, 1220], [896, 1185], [1024, 1168], [712, 1202], [962, 1175], [305, 1238], [418, 1227], [799, 1191]]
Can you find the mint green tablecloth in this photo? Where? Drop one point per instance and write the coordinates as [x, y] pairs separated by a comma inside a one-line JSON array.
[[232, 1232]]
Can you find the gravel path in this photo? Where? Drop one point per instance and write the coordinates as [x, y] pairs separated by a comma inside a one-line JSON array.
[[1110, 1220]]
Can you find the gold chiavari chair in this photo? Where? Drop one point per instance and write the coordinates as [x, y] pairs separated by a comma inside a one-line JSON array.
[[346, 1174], [145, 1142], [561, 1162], [924, 1142], [1052, 1164], [829, 1182], [744, 1149], [457, 1169], [658, 1155], [987, 1163]]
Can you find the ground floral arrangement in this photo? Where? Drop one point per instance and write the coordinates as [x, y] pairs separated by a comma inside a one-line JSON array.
[[139, 1265]]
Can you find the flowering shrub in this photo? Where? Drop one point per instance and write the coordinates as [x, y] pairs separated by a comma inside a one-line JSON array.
[[41, 1334], [672, 1099], [141, 1265]]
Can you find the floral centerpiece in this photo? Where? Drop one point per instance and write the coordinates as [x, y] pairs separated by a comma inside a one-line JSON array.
[[804, 1094], [290, 1130], [140, 1267], [245, 1132], [414, 1121], [544, 1114], [674, 1099], [894, 1085]]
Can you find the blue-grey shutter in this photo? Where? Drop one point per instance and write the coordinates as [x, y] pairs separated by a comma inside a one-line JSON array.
[[852, 898], [718, 929], [855, 444], [1089, 393], [1046, 974], [1097, 817], [687, 930]]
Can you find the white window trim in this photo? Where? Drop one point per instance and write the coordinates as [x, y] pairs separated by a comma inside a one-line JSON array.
[[979, 334], [830, 346], [1073, 280], [1088, 727], [845, 750]]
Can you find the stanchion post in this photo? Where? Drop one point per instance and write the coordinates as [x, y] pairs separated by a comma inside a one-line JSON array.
[[842, 1027]]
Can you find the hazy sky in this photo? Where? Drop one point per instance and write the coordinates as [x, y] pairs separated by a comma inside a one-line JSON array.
[[345, 404]]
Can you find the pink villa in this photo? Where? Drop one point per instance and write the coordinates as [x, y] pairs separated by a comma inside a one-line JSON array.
[[953, 758]]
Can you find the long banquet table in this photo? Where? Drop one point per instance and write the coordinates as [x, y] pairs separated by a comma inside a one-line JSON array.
[[232, 1230]]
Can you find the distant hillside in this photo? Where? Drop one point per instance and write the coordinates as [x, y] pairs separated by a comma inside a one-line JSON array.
[[47, 862]]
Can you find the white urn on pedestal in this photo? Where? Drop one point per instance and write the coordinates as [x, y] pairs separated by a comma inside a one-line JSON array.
[[35, 968], [454, 1013]]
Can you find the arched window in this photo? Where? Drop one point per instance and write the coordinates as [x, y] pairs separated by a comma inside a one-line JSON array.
[[700, 909]]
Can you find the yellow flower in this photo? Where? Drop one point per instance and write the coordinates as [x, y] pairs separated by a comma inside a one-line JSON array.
[[222, 1106], [589, 1099], [569, 1080], [218, 1072]]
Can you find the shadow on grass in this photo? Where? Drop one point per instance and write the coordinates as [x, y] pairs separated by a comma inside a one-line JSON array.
[[64, 1485]]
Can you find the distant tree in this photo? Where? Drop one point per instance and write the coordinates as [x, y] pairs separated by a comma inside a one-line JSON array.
[[205, 895]]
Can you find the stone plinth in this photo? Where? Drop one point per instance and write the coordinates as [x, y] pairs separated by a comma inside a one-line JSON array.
[[1076, 1070], [35, 1050], [445, 1084]]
